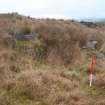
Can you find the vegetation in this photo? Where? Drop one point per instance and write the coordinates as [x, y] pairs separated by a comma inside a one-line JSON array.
[[54, 71]]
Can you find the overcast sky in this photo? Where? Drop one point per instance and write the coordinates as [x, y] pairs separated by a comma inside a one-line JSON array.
[[67, 9]]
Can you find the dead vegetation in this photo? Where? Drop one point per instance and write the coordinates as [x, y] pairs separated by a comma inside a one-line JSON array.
[[41, 85], [57, 74]]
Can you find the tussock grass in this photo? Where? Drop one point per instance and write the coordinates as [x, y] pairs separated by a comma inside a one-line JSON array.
[[62, 80]]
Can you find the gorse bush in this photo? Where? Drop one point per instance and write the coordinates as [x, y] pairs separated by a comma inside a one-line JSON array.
[[40, 53], [40, 50], [59, 43], [26, 30]]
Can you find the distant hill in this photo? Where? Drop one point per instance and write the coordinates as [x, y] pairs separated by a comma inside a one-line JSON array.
[[95, 20]]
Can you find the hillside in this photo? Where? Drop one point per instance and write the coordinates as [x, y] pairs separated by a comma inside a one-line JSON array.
[[45, 62]]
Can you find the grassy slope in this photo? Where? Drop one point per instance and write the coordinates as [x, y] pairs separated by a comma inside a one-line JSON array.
[[46, 85], [24, 81]]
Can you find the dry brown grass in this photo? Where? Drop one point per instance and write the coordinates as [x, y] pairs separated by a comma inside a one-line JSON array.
[[47, 87], [21, 83], [25, 82], [100, 80], [63, 39], [101, 102], [11, 64]]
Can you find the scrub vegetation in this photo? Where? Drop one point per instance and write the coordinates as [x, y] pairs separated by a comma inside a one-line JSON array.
[[49, 66]]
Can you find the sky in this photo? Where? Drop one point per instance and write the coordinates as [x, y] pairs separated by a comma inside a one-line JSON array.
[[60, 9]]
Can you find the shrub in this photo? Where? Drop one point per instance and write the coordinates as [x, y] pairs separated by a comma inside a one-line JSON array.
[[26, 30], [46, 87], [61, 46], [40, 50]]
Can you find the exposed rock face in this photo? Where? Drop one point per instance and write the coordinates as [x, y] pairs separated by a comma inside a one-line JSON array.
[[24, 37], [91, 44]]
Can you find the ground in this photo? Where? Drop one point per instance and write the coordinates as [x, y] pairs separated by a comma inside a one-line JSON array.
[[56, 73]]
